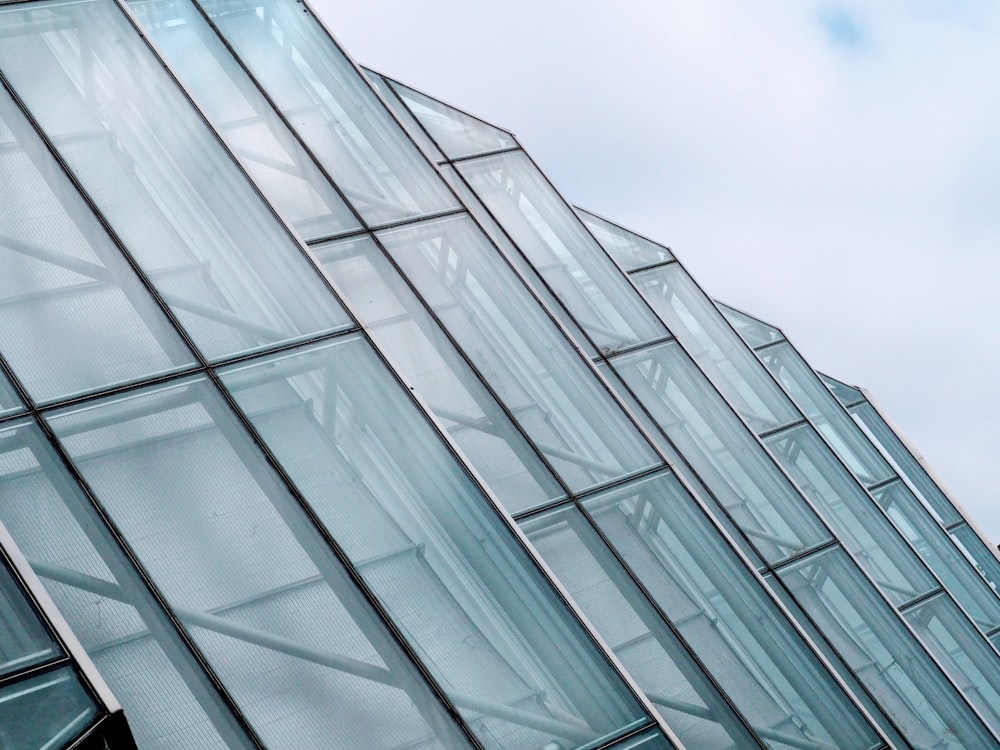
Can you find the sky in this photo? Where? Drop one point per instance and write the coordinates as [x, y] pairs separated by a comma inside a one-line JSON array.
[[832, 167]]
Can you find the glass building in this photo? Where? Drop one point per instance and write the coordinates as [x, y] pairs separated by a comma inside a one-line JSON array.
[[327, 422]]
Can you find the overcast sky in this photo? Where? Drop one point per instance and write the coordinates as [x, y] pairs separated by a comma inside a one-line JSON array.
[[832, 167]]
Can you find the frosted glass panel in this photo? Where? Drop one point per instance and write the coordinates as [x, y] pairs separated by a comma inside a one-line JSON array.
[[251, 580], [214, 250], [432, 549], [332, 108]]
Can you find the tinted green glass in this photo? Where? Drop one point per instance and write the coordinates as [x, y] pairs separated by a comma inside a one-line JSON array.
[[48, 711], [626, 248]]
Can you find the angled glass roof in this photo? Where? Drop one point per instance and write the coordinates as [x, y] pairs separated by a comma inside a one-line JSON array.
[[458, 133], [628, 249], [753, 330], [847, 395]]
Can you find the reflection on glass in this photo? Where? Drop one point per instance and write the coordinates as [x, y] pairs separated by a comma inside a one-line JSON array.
[[457, 133], [217, 255], [826, 414], [717, 349], [273, 611], [251, 128], [875, 644], [551, 392], [499, 237], [726, 616], [626, 248], [47, 711], [24, 639], [73, 316], [333, 109], [744, 479], [649, 649], [168, 700], [432, 549], [855, 519], [755, 332], [435, 369], [941, 555], [561, 249], [382, 85]]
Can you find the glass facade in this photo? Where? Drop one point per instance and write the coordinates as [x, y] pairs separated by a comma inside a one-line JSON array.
[[326, 421]]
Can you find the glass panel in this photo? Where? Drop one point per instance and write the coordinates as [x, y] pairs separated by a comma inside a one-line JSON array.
[[381, 84], [544, 383], [647, 646], [725, 615], [720, 353], [826, 414], [906, 463], [983, 557], [332, 108], [744, 479], [961, 650], [24, 639], [755, 332], [435, 369], [273, 611], [246, 121], [941, 555], [677, 461], [846, 394], [459, 134], [48, 711], [886, 658], [211, 246], [561, 249], [849, 510], [499, 238], [432, 549], [628, 249], [10, 402], [169, 701], [73, 316]]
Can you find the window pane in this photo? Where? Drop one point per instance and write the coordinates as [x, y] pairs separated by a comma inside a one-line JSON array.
[[826, 414], [459, 134], [48, 711], [629, 250], [218, 256], [432, 549], [167, 698], [381, 84], [332, 107], [719, 352], [983, 557], [10, 402], [550, 390], [855, 519], [249, 125], [499, 237], [648, 648], [941, 554], [963, 653], [725, 615], [435, 369], [886, 658], [73, 316], [562, 250], [255, 586], [755, 332], [909, 466], [847, 395], [24, 639], [745, 480]]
